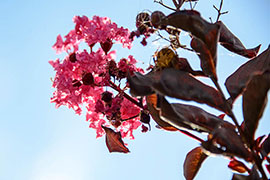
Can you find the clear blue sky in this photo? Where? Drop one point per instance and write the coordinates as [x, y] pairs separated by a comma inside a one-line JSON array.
[[39, 142]]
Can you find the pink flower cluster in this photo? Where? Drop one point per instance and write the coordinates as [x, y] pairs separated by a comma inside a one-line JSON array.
[[81, 76], [92, 31]]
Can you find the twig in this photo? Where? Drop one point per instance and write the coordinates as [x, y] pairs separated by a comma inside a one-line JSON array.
[[176, 4], [130, 117], [219, 10], [191, 135], [128, 97], [164, 5]]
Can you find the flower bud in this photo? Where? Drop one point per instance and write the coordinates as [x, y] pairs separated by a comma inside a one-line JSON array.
[[88, 79], [106, 96], [156, 18], [72, 57], [144, 118], [106, 46]]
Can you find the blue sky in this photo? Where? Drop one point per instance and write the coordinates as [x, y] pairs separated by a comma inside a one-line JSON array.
[[39, 142]]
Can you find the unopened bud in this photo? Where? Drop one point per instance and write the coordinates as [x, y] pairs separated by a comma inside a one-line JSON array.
[[72, 57], [106, 46], [156, 18], [88, 79]]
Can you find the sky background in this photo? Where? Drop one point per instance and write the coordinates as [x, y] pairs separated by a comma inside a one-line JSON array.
[[39, 142]]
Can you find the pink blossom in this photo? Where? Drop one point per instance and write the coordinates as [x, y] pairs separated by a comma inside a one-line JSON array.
[[82, 75]]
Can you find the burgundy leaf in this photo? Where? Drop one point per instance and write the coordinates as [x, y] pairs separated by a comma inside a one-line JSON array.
[[138, 84], [183, 65], [224, 140], [114, 141], [168, 115], [188, 117], [237, 82], [182, 85], [193, 162], [237, 166], [228, 40], [191, 21], [155, 113], [178, 84], [208, 64], [254, 102]]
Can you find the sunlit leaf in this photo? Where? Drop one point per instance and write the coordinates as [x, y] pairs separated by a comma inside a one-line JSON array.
[[193, 162], [237, 166], [254, 102], [208, 64], [237, 82], [114, 141], [228, 40], [155, 113]]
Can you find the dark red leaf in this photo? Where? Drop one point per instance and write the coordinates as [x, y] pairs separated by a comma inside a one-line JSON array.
[[237, 166], [183, 65], [191, 21], [187, 116], [155, 113], [177, 84], [183, 86], [226, 141], [237, 82], [140, 85], [114, 141], [228, 40], [193, 162], [208, 64], [254, 102]]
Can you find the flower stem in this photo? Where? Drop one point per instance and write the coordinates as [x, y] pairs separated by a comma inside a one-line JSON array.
[[128, 97]]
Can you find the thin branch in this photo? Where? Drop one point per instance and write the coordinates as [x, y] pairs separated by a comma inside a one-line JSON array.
[[191, 135], [176, 4], [219, 10], [128, 97], [131, 117], [164, 5]]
